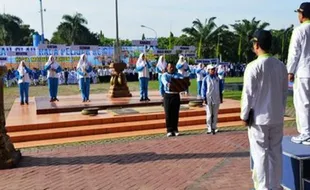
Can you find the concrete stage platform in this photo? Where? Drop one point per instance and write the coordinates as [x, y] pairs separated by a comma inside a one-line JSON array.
[[101, 101], [28, 129]]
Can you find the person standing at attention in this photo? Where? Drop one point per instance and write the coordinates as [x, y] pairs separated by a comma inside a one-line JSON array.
[[183, 68], [210, 93], [52, 68], [200, 73], [84, 69], [262, 111], [171, 101], [143, 67], [23, 82], [161, 69], [298, 66]]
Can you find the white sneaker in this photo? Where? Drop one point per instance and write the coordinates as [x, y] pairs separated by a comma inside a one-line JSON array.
[[169, 134], [176, 134], [300, 138], [209, 131], [216, 130], [306, 142]]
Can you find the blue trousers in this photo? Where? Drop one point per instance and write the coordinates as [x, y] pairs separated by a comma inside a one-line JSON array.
[[23, 91], [85, 88], [53, 87], [144, 83], [199, 84], [161, 86]]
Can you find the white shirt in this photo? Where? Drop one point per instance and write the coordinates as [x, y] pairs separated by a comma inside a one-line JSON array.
[[145, 72], [25, 76], [298, 61], [200, 74], [265, 91]]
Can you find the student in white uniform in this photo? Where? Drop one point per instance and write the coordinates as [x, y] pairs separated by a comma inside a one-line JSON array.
[[183, 68], [200, 73], [298, 66], [210, 93], [161, 68], [23, 82], [143, 67], [262, 110]]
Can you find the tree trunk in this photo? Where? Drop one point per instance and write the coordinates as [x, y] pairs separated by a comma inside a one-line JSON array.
[[9, 157]]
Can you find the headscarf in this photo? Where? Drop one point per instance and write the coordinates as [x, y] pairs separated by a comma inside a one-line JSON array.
[[21, 69], [180, 59], [161, 64], [140, 60], [82, 63], [55, 65], [182, 62]]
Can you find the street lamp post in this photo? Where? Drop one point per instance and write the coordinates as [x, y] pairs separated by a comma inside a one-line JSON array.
[[118, 82], [143, 26], [42, 25]]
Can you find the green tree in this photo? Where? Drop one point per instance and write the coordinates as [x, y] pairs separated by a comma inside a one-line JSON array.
[[203, 34], [245, 29], [73, 28]]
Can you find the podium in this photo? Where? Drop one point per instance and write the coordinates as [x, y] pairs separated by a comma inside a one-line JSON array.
[[296, 165]]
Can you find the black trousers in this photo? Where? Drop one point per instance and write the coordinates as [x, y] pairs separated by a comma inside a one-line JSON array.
[[172, 108]]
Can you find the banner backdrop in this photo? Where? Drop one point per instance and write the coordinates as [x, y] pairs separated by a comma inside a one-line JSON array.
[[67, 55]]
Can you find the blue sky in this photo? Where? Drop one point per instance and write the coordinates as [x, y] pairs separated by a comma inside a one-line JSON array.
[[161, 15]]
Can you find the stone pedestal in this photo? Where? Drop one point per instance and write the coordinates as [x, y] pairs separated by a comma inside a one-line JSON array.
[[9, 157], [118, 82]]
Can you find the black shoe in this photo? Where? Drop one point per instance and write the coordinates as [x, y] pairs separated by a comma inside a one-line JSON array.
[[52, 100], [56, 99], [27, 103], [213, 131], [147, 99], [141, 99], [22, 103]]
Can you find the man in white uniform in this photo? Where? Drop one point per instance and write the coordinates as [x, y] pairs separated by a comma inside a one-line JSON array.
[[262, 110], [298, 66]]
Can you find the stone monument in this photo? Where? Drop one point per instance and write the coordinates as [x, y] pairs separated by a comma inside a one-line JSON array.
[[118, 83], [9, 157]]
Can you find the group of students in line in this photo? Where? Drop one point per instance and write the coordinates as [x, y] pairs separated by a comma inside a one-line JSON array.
[[53, 69]]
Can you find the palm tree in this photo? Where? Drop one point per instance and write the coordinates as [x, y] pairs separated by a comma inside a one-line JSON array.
[[72, 27], [245, 29], [10, 29], [203, 34]]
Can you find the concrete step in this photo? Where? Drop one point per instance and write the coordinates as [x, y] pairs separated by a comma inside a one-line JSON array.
[[85, 130], [79, 120], [57, 141]]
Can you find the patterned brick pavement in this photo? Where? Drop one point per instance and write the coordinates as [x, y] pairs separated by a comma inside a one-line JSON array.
[[186, 162]]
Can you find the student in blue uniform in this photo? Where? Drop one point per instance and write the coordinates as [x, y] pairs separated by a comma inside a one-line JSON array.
[[200, 73], [52, 68], [183, 68], [171, 101], [161, 69], [23, 73], [143, 66], [84, 68]]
